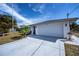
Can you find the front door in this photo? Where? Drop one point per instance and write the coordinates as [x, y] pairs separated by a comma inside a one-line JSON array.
[[34, 31]]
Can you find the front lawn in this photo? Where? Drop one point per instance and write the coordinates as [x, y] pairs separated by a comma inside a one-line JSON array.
[[9, 37]]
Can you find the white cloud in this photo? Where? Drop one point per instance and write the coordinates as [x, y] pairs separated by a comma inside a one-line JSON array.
[[7, 9], [38, 7]]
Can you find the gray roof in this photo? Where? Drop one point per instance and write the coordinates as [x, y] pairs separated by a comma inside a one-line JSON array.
[[57, 20]]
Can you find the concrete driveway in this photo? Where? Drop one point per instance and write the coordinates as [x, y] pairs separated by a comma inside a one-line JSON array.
[[33, 46]]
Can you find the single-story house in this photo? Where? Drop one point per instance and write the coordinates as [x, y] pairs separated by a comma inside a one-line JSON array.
[[57, 28]]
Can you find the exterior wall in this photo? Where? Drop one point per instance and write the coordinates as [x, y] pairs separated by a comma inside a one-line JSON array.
[[66, 29], [58, 29], [50, 29]]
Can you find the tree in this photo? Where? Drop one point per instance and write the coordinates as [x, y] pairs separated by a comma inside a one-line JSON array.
[[6, 23], [25, 30]]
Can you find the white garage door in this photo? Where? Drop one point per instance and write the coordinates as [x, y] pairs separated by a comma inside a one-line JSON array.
[[50, 29]]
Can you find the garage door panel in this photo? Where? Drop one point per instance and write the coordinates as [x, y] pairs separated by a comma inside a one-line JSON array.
[[50, 29]]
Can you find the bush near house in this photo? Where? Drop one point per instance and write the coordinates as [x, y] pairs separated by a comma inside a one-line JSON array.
[[25, 30], [74, 27]]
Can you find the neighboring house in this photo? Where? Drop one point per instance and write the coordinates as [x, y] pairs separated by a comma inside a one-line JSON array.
[[57, 28]]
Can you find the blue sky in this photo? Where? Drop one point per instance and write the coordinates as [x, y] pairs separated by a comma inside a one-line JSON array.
[[26, 13]]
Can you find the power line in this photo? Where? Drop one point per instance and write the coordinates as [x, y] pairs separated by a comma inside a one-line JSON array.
[[4, 12], [72, 11]]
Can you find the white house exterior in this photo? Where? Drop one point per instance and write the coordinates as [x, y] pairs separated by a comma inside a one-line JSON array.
[[57, 28]]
